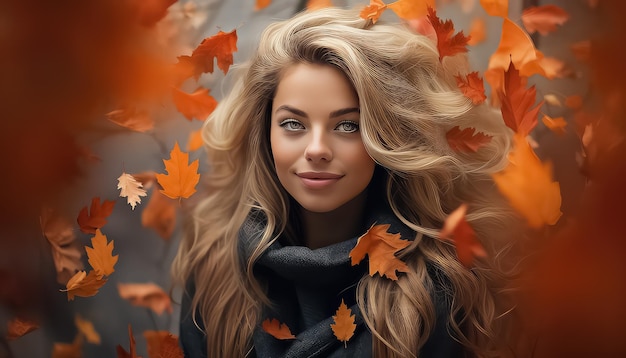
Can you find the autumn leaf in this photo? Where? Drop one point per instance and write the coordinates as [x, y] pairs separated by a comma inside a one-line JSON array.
[[344, 326], [517, 102], [182, 177], [66, 252], [466, 140], [96, 218], [101, 256], [160, 215], [121, 352], [515, 46], [555, 68], [199, 104], [527, 184], [496, 7], [195, 140], [477, 32], [556, 125], [131, 189], [131, 118], [18, 327], [447, 44], [162, 344], [261, 4], [381, 247], [218, 47], [276, 329], [574, 102], [67, 350], [147, 295], [457, 230], [83, 285], [411, 9], [543, 19], [86, 329], [312, 5], [472, 87], [373, 10]]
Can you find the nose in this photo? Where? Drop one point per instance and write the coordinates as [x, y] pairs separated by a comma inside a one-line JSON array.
[[319, 147]]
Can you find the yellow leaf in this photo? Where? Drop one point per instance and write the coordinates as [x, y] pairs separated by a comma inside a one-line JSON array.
[[344, 325], [182, 177], [101, 255]]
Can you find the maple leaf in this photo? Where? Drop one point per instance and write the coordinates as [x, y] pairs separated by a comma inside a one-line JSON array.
[[472, 87], [121, 352], [477, 32], [195, 141], [543, 19], [515, 46], [86, 329], [411, 9], [261, 4], [69, 350], [457, 230], [496, 7], [556, 125], [66, 253], [96, 218], [162, 344], [527, 184], [373, 10], [517, 102], [130, 189], [18, 327], [381, 247], [101, 255], [466, 140], [146, 295], [160, 215], [199, 104], [344, 326], [276, 329], [182, 177], [447, 44], [218, 47], [318, 4], [83, 285], [131, 118]]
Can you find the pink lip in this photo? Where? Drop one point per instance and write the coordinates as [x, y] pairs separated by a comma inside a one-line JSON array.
[[318, 180]]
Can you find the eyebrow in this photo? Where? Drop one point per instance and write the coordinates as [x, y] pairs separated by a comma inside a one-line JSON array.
[[333, 114]]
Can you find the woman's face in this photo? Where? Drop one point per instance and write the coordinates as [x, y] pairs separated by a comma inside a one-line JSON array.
[[315, 138]]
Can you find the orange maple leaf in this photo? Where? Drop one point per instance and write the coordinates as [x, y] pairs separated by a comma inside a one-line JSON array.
[[181, 180], [18, 327], [96, 218], [457, 230], [318, 4], [276, 329], [344, 325], [381, 247], [466, 140], [447, 44], [527, 184], [373, 10], [220, 46], [496, 7], [101, 256], [162, 344], [121, 352], [132, 118], [146, 295], [66, 252], [87, 329], [477, 32], [543, 19], [517, 102], [472, 87], [83, 284], [199, 104], [411, 9], [556, 125]]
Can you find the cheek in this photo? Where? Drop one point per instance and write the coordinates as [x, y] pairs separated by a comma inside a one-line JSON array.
[[281, 153]]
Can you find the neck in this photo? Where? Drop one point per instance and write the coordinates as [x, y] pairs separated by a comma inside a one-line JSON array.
[[343, 223]]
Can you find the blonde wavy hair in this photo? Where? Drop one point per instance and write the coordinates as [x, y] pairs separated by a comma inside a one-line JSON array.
[[408, 100]]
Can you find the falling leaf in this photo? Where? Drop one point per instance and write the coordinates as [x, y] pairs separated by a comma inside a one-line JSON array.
[[581, 50], [472, 87], [556, 125], [447, 44], [83, 285], [555, 68], [147, 295], [457, 230], [552, 100], [67, 350], [218, 47], [130, 189], [101, 256], [18, 327], [344, 326], [466, 140], [121, 352], [131, 118], [527, 184], [517, 102], [373, 10], [87, 329], [496, 7], [162, 344], [574, 102], [477, 32], [276, 329], [96, 218], [195, 141], [381, 248], [160, 215], [312, 5], [182, 177], [261, 4], [543, 19], [411, 9], [199, 104], [66, 251]]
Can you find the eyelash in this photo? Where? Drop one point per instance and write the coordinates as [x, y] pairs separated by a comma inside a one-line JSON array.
[[284, 124]]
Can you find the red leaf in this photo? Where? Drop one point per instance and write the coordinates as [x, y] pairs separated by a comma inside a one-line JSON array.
[[220, 47], [447, 44], [457, 230], [517, 102], [96, 218], [121, 352], [472, 87], [466, 140]]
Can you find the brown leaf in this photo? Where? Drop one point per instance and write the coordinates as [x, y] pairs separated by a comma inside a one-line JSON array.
[[447, 44], [472, 87], [344, 326], [86, 328], [181, 180], [160, 215], [83, 285], [66, 251], [381, 248], [146, 295], [199, 104], [121, 352], [18, 327], [96, 218], [466, 140], [276, 329], [543, 19], [131, 118], [162, 344], [457, 230], [101, 255]]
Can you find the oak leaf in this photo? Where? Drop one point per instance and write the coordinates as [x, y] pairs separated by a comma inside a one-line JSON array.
[[343, 326], [477, 31], [517, 102], [89, 221], [182, 177], [100, 255], [66, 252], [496, 7], [556, 125], [472, 87], [381, 247], [83, 284], [132, 118], [527, 184], [162, 344], [131, 189], [543, 19], [69, 350], [87, 329], [318, 4], [466, 140], [261, 4], [373, 10], [147, 295], [18, 327], [457, 230], [160, 215], [199, 104], [411, 9], [218, 47], [121, 352], [276, 329], [447, 44]]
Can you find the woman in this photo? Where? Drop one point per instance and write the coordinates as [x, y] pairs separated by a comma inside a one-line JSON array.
[[335, 125]]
